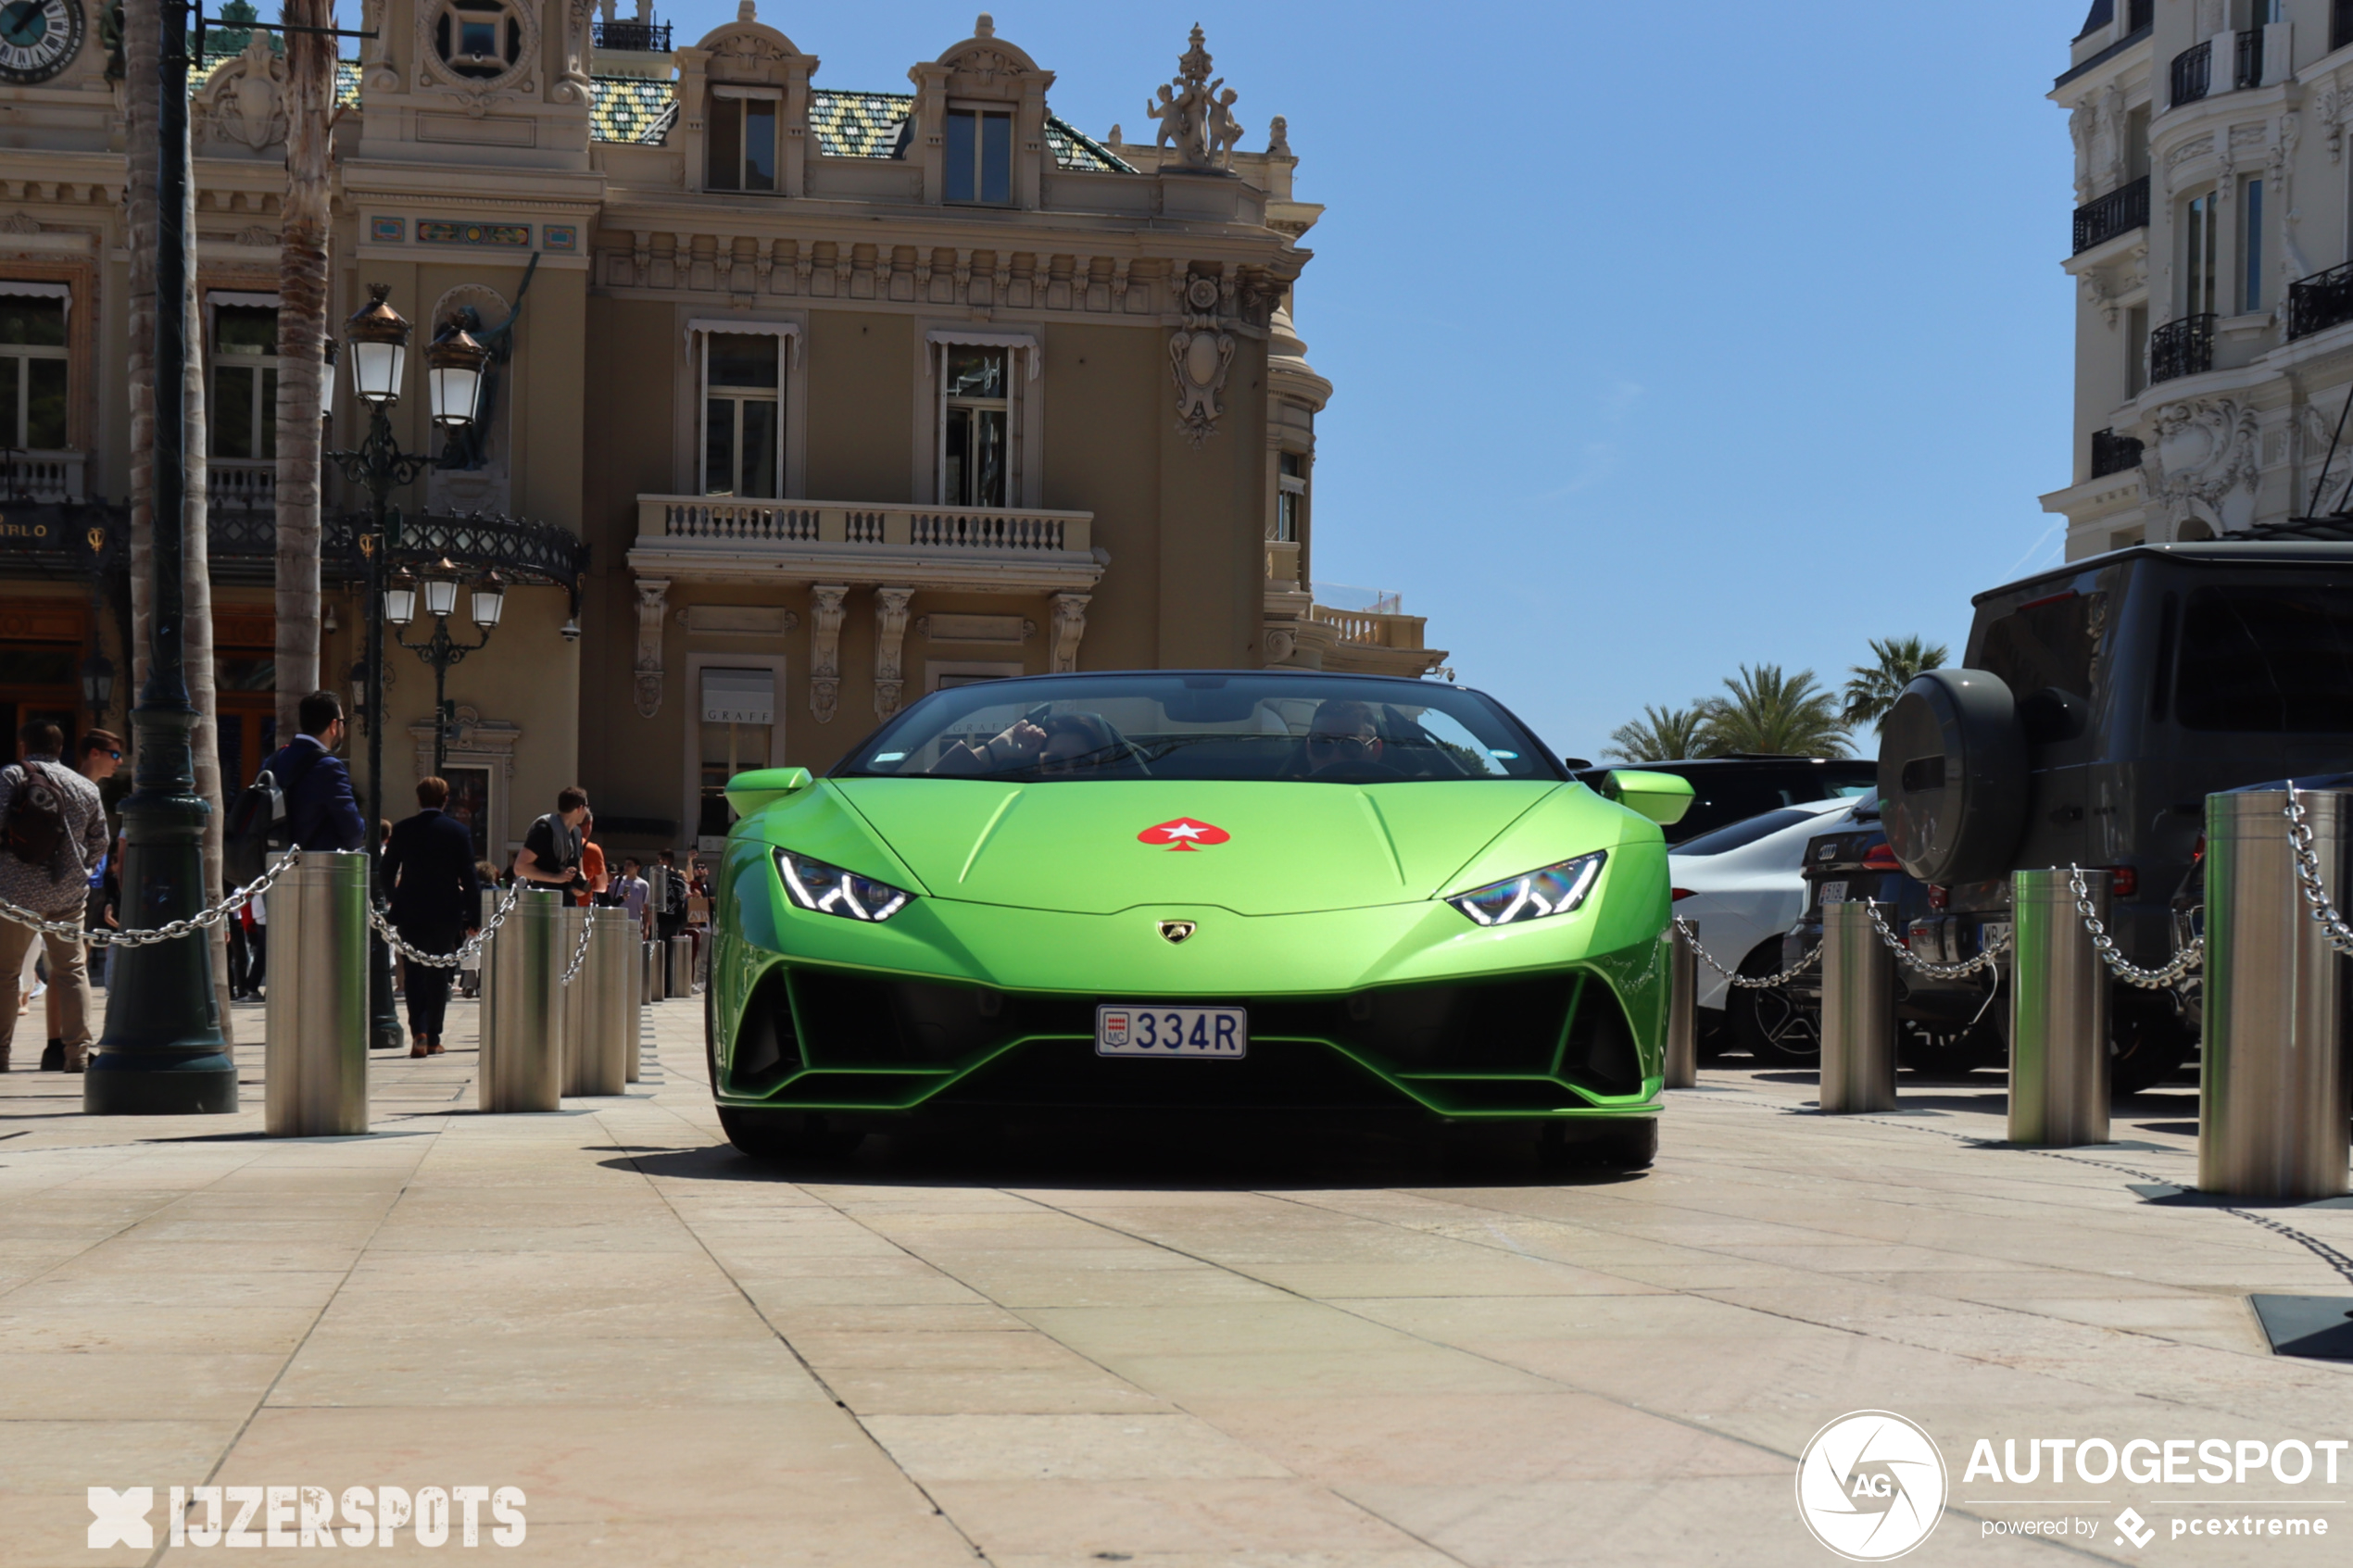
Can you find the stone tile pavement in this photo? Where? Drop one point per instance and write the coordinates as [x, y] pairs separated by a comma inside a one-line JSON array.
[[1059, 1349]]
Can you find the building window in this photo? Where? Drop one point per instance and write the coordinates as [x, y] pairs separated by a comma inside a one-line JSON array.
[[974, 424], [32, 373], [743, 414], [478, 39], [981, 157], [740, 136], [2202, 245], [2250, 245], [1291, 497], [242, 416], [738, 726]]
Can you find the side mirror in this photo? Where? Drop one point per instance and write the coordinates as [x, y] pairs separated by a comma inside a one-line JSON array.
[[764, 786], [1663, 797]]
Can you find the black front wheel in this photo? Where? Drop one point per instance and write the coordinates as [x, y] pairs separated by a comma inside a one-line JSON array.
[[2147, 1041], [1770, 1024], [1628, 1145]]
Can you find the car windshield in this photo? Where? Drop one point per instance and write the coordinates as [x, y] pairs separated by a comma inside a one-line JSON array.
[[1740, 836], [1261, 725]]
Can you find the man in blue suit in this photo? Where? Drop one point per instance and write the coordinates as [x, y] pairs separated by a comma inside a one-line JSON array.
[[321, 810]]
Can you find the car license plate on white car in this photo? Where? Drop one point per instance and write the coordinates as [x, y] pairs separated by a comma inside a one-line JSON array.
[[1833, 893], [1992, 934], [1183, 1032]]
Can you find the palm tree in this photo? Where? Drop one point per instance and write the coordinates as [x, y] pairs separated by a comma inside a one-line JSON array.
[[1874, 687], [1768, 712], [1659, 735], [302, 326]]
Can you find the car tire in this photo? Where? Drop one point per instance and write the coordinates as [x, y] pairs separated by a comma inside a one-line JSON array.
[[788, 1135], [1716, 1037], [1769, 1024], [1952, 772], [2147, 1043], [1628, 1145]]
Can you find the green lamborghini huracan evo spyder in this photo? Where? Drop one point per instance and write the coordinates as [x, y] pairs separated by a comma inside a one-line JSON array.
[[1208, 893]]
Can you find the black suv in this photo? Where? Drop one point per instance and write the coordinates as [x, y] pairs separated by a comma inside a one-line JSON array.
[[1732, 789], [2098, 705]]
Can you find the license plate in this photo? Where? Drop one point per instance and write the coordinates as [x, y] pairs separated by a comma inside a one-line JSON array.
[[1833, 893], [1992, 934], [1182, 1032]]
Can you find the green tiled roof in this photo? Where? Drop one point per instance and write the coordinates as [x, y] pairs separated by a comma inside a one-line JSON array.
[[631, 109]]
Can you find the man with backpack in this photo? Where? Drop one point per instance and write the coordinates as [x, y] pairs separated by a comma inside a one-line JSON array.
[[53, 828], [321, 810]]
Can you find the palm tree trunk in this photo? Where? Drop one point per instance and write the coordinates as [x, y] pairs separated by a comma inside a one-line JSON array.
[[142, 42], [302, 325]]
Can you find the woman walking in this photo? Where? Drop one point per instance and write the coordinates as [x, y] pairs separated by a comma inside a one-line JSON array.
[[436, 901]]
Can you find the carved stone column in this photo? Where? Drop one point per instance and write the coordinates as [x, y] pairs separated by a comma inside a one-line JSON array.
[[1070, 625], [891, 633], [825, 651], [651, 593]]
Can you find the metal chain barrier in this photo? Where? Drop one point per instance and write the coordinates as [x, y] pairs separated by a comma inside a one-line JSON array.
[[466, 950], [72, 930], [1745, 981], [1961, 971], [579, 954], [2172, 973], [2308, 876]]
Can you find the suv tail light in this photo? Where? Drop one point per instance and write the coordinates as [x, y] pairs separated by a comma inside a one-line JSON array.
[[1882, 858], [2122, 882]]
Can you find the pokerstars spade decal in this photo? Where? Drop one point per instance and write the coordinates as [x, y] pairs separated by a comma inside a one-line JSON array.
[[1183, 833]]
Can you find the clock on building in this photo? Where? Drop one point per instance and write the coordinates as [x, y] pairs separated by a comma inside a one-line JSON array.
[[38, 37]]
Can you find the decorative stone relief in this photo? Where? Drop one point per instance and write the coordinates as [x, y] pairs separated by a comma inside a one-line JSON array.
[[2197, 147], [473, 733], [2095, 292], [1279, 137], [825, 651], [2330, 110], [244, 101], [1200, 352], [1280, 642], [2080, 132], [1070, 625], [890, 637], [2202, 465], [651, 592], [477, 81]]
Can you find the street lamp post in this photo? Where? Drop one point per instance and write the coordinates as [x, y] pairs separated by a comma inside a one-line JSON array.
[[163, 1053], [442, 650], [378, 338]]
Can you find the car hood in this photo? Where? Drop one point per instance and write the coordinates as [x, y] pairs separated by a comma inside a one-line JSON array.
[[1269, 849]]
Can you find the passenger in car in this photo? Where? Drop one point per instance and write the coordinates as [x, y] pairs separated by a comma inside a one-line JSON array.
[[1057, 745]]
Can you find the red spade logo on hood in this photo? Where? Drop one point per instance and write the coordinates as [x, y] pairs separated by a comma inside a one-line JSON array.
[[1183, 833]]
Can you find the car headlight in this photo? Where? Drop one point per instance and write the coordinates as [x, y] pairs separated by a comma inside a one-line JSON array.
[[1554, 890], [829, 890]]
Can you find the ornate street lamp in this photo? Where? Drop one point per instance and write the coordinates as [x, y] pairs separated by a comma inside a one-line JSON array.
[[442, 650], [97, 683], [453, 373]]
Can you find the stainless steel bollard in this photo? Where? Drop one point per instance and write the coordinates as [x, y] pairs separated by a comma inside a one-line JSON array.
[[315, 1062], [600, 1017], [2059, 1013], [1683, 1008], [522, 1049], [572, 1001], [681, 979], [2271, 1105], [655, 956], [488, 957], [1858, 1013]]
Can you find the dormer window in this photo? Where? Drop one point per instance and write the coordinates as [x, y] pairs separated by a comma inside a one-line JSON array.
[[740, 135], [478, 38], [981, 157]]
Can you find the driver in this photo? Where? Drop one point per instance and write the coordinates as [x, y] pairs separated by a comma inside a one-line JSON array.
[[1343, 736], [1055, 745]]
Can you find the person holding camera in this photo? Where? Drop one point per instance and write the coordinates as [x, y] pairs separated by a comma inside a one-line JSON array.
[[550, 860]]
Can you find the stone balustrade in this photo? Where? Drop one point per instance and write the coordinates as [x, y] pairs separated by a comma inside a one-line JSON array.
[[242, 482], [42, 477], [1372, 629], [722, 537]]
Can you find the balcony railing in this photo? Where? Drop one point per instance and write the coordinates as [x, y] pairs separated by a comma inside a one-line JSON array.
[[2250, 72], [1371, 628], [2120, 211], [2321, 301], [993, 529], [242, 482], [42, 478], [2192, 70], [637, 37], [2112, 453], [2181, 348]]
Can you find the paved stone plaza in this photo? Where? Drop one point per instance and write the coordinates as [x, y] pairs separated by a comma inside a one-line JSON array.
[[1340, 1352]]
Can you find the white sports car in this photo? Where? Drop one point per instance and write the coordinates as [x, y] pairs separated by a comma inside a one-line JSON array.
[[1741, 886]]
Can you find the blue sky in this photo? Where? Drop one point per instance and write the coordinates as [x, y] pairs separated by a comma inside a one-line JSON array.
[[1664, 338]]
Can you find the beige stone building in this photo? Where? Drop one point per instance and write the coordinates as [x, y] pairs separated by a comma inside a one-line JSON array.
[[2212, 232], [849, 394]]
